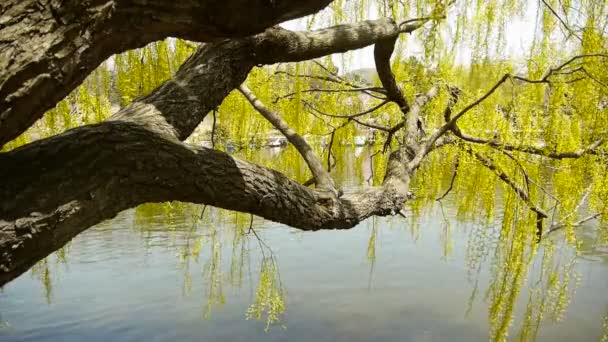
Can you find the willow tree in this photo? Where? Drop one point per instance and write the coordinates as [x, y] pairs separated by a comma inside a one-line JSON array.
[[428, 113]]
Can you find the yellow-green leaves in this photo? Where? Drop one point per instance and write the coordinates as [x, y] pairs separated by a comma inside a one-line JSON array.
[[270, 298]]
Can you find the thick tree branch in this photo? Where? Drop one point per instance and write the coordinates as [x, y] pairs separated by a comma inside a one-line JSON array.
[[383, 50], [280, 45], [274, 45], [52, 189], [94, 172], [214, 70], [69, 203], [412, 128], [382, 56], [178, 106], [47, 50]]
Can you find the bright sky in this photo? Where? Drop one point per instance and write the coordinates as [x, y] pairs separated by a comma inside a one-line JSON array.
[[520, 33]]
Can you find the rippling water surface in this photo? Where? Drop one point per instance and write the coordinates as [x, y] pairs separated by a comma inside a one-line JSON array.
[[160, 273]]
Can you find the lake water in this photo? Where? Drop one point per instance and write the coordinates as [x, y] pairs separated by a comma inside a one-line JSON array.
[[159, 273]]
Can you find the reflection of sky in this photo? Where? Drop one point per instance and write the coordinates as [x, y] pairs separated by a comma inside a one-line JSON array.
[[121, 284]]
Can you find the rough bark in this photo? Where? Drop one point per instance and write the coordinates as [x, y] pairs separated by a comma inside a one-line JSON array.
[[94, 172], [215, 69], [53, 189], [48, 47]]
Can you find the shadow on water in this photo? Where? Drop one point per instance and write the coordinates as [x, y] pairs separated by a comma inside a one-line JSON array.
[[178, 271]]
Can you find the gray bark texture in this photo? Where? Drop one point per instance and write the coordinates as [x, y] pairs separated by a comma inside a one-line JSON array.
[[53, 189], [48, 47]]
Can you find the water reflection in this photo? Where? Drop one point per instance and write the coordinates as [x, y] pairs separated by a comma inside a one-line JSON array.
[[181, 271]]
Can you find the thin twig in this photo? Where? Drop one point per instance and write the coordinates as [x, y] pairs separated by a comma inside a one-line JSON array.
[[326, 90], [456, 165], [213, 129], [566, 26], [352, 116]]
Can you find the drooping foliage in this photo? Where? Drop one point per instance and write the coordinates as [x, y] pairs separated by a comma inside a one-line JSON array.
[[469, 44]]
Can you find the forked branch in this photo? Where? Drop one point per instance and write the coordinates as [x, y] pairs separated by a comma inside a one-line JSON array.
[[322, 177], [451, 121]]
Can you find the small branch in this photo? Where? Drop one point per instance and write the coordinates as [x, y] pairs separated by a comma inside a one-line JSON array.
[[391, 134], [456, 165], [560, 67], [371, 161], [322, 178], [584, 71], [590, 149], [352, 116], [502, 175], [455, 93], [213, 128], [575, 224], [383, 50], [563, 223], [261, 241], [309, 182], [521, 168], [318, 77], [321, 90], [451, 124], [477, 102], [372, 126], [411, 25], [335, 80], [566, 26], [329, 150]]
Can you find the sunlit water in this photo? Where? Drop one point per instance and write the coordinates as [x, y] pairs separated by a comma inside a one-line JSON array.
[[138, 278]]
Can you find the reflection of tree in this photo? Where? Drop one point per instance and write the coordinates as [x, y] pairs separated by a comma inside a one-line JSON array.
[[548, 295], [510, 246], [42, 270], [3, 324], [371, 252], [446, 235], [605, 330], [212, 273]]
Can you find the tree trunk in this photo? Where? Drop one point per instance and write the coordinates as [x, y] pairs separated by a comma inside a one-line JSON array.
[[55, 188], [48, 47], [93, 172]]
